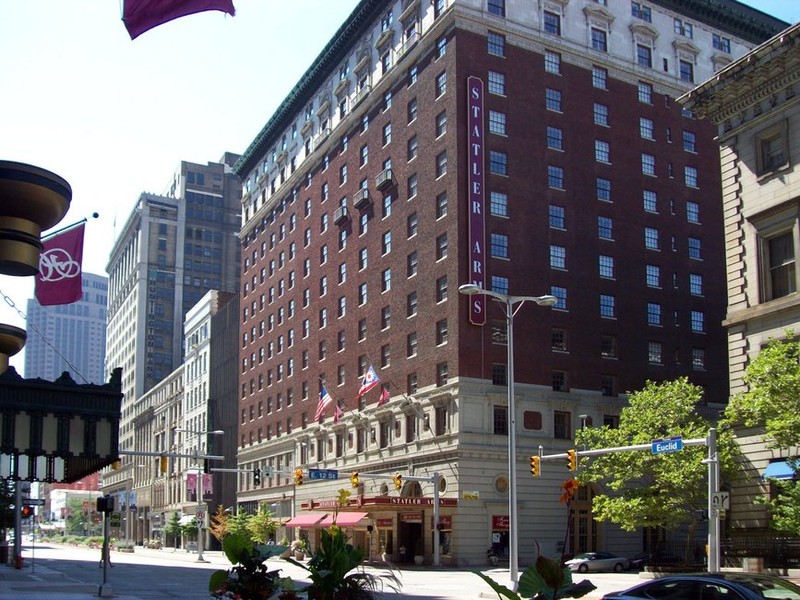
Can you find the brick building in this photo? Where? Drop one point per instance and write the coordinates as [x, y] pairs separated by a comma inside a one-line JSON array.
[[533, 148]]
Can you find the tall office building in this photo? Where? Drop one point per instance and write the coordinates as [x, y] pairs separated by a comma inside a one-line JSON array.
[[171, 251], [531, 148], [69, 337]]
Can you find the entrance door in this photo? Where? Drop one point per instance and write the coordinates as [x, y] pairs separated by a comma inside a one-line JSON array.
[[584, 527], [410, 540]]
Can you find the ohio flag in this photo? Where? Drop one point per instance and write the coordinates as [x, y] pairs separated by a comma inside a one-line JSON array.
[[369, 381]]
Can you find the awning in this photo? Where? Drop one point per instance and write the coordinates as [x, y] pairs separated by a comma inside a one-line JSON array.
[[780, 469], [186, 519], [306, 520], [344, 519]]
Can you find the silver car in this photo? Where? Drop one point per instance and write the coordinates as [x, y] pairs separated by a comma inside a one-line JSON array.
[[598, 561]]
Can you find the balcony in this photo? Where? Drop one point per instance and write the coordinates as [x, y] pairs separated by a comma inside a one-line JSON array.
[[340, 215], [361, 198], [385, 180]]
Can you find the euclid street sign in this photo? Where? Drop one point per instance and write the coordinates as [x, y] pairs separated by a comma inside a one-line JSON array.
[[673, 444]]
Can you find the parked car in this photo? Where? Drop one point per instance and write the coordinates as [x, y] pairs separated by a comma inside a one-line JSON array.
[[598, 561], [711, 586]]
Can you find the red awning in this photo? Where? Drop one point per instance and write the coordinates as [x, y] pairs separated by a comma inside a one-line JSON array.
[[343, 519], [306, 520]]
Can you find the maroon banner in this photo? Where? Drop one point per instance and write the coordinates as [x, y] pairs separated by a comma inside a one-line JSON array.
[[476, 199], [59, 279], [142, 15]]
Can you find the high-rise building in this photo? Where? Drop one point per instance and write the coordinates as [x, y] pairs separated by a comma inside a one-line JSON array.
[[69, 337], [531, 149], [171, 251]]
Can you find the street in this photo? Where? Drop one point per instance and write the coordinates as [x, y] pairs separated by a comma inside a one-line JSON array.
[[55, 572]]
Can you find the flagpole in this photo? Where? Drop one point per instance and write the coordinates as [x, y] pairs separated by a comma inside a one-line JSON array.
[[68, 227]]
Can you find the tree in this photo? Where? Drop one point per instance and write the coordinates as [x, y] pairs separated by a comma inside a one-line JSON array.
[[772, 399], [173, 528], [219, 523], [262, 525], [641, 489], [239, 524]]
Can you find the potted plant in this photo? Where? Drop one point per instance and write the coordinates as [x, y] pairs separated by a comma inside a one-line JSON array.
[[249, 578], [300, 549], [287, 589]]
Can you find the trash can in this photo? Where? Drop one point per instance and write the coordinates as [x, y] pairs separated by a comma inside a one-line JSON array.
[[4, 552]]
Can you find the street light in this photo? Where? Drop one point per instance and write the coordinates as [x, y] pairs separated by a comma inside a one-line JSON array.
[[510, 302], [199, 486]]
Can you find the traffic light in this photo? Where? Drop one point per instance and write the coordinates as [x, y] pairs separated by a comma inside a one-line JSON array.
[[163, 463], [572, 460], [535, 466], [298, 476], [398, 481], [354, 480], [256, 476], [116, 465], [26, 512]]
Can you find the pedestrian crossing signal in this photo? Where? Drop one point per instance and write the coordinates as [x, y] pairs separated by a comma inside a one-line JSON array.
[[535, 466], [354, 480], [26, 512], [256, 476]]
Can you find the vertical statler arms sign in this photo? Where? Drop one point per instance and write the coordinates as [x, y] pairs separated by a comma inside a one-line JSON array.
[[475, 196]]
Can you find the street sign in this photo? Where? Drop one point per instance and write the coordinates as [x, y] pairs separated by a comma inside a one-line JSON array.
[[34, 501], [323, 474], [115, 519], [662, 446], [200, 515], [721, 500]]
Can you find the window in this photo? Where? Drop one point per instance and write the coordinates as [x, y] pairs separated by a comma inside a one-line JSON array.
[[559, 381], [653, 313], [772, 150], [387, 134], [605, 228], [441, 332], [411, 148], [362, 294], [599, 78], [555, 177], [343, 175], [441, 47], [650, 201], [606, 266], [654, 353], [653, 276], [499, 245], [441, 289], [780, 262], [555, 138], [686, 71], [441, 246], [500, 418], [562, 429], [553, 100], [412, 264], [411, 110], [552, 23], [498, 204], [441, 84], [646, 128], [499, 284], [651, 238], [441, 163], [498, 163], [557, 219], [386, 280], [696, 318], [602, 152], [561, 296], [683, 28], [690, 177], [558, 340], [600, 114], [694, 248], [497, 83], [411, 345], [648, 164], [720, 43], [608, 346], [644, 56], [698, 358], [497, 7], [497, 122], [496, 44], [362, 259], [441, 205], [412, 224], [692, 212], [608, 385], [645, 92], [558, 257], [640, 11], [607, 306], [386, 317], [441, 123], [552, 62], [386, 243], [689, 141], [411, 186], [695, 284], [599, 40]]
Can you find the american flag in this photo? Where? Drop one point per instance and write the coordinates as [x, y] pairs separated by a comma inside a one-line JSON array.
[[369, 381], [324, 400]]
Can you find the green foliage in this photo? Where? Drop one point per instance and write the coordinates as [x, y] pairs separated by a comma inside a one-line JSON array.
[[773, 396], [539, 580], [239, 524], [249, 578], [262, 525], [784, 509], [646, 490], [173, 528]]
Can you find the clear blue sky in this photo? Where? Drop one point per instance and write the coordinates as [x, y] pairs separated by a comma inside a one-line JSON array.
[[115, 117]]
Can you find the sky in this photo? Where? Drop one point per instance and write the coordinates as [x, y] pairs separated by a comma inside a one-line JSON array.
[[115, 116]]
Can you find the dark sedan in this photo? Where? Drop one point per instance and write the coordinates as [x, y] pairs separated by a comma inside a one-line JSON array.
[[711, 586]]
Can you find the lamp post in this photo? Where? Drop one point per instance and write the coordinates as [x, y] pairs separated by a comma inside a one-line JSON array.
[[512, 304], [199, 487]]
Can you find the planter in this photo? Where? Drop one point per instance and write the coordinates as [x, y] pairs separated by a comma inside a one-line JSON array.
[[129, 550], [418, 559], [299, 555]]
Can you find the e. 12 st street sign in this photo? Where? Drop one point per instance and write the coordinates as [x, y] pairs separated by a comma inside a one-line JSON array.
[[673, 444], [323, 474]]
